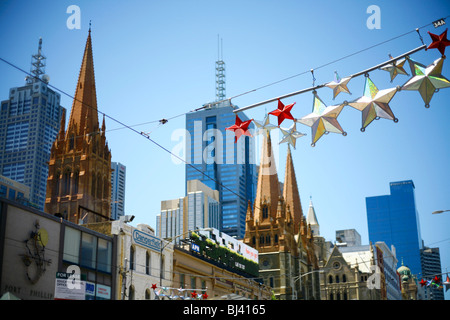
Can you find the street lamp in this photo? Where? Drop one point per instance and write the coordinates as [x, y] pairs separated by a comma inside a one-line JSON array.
[[439, 211]]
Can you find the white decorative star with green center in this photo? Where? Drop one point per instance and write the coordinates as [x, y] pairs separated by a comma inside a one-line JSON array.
[[374, 104], [264, 125], [338, 85], [426, 80], [395, 68], [323, 119]]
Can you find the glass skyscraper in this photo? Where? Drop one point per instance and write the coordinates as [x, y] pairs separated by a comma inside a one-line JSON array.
[[215, 159], [118, 178], [29, 123], [394, 219]]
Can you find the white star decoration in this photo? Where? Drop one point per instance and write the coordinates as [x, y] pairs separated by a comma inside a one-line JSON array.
[[264, 125], [291, 135], [323, 119], [338, 85]]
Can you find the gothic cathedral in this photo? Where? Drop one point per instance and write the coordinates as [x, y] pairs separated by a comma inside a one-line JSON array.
[[79, 178]]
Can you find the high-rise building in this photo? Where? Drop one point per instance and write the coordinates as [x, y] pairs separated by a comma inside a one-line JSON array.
[[79, 178], [431, 267], [29, 123], [200, 208], [394, 220], [215, 159], [118, 177], [351, 237]]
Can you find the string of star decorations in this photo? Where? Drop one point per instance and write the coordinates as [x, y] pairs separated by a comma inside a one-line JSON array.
[[169, 293], [373, 104], [436, 282]]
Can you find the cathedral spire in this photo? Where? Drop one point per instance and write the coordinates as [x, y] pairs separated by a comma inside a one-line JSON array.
[[84, 108], [312, 219], [290, 191], [268, 187]]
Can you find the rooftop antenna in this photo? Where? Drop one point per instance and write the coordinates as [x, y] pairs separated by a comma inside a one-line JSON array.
[[38, 62], [220, 72]]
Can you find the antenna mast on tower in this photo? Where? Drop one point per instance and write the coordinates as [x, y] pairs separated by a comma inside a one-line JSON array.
[[220, 72], [38, 63]]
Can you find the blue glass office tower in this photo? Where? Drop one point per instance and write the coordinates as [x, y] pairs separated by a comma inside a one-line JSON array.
[[216, 160], [29, 123], [394, 219]]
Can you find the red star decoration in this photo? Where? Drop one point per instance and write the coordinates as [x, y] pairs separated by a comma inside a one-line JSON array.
[[439, 42], [154, 286], [437, 279], [194, 294], [240, 128], [422, 282], [205, 296], [283, 112]]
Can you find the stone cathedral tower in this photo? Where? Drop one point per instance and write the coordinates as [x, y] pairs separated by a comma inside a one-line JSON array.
[[277, 228], [79, 178]]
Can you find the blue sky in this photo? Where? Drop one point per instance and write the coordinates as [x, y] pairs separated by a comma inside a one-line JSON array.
[[155, 59]]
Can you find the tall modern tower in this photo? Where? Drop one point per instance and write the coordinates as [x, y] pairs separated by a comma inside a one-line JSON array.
[[217, 161], [118, 178], [29, 123], [394, 219]]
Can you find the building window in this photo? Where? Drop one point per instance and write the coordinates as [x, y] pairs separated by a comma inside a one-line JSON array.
[[344, 278], [331, 296], [337, 279], [93, 185], [76, 178], [71, 245], [132, 257], [57, 180], [147, 294], [163, 261], [66, 182], [182, 280], [147, 263], [88, 250], [104, 255], [193, 282], [330, 280], [265, 211]]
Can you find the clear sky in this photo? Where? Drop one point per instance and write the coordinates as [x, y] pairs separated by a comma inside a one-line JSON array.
[[156, 59]]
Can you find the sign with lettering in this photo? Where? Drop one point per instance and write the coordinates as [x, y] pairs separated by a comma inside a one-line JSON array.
[[69, 287], [146, 240]]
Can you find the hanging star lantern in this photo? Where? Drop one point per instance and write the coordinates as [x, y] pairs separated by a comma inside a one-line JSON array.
[[264, 126], [323, 119], [446, 283], [426, 80], [422, 282], [395, 68], [439, 41], [374, 104], [205, 296], [338, 85], [154, 286], [283, 112], [291, 135], [240, 128]]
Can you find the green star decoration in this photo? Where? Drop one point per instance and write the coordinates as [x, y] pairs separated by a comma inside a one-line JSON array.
[[426, 80]]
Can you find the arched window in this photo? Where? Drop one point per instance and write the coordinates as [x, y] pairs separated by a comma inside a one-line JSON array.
[[330, 280], [253, 240], [344, 278], [147, 263], [93, 185], [71, 142], [331, 296], [261, 240], [345, 296], [276, 239], [338, 296], [57, 183], [99, 187], [268, 239], [132, 257], [66, 182], [147, 294], [265, 211], [76, 180], [337, 278]]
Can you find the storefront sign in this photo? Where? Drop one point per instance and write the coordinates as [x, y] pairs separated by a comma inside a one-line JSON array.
[[68, 287], [146, 240]]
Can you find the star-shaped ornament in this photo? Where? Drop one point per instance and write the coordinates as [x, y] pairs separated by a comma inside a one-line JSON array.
[[154, 286], [205, 296], [426, 80], [323, 119], [240, 128], [395, 68], [374, 104], [291, 135], [283, 112], [264, 126], [439, 41], [339, 85], [422, 282]]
